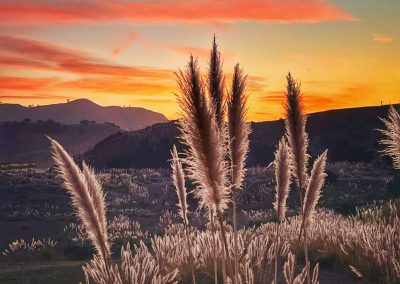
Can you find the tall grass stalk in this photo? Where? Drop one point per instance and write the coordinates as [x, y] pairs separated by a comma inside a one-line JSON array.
[[178, 178], [296, 135], [282, 176], [206, 145], [211, 216], [239, 131], [313, 193]]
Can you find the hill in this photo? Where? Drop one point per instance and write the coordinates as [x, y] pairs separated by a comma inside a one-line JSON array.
[[349, 134], [132, 118], [26, 142]]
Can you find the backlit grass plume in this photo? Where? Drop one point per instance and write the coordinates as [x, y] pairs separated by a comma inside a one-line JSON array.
[[313, 192], [205, 154], [216, 83], [98, 196], [238, 130], [206, 147], [87, 198], [312, 195], [392, 136], [295, 126], [178, 178], [282, 176]]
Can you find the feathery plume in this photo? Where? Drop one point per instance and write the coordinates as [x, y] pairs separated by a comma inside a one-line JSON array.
[[82, 198], [238, 128], [178, 178], [205, 154], [97, 194], [392, 136], [282, 175], [289, 270], [295, 126], [216, 81], [238, 133], [315, 184], [206, 146]]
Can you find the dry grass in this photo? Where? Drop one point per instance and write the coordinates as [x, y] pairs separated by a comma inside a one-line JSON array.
[[369, 248], [392, 136]]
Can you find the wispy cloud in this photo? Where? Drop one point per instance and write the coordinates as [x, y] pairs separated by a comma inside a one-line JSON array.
[[93, 75], [348, 95], [26, 84], [194, 11], [134, 37], [382, 39], [119, 85], [34, 54]]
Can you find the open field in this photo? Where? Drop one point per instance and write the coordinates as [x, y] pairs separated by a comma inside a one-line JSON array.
[[34, 205]]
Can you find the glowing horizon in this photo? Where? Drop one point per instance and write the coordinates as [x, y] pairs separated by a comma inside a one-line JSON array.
[[125, 52]]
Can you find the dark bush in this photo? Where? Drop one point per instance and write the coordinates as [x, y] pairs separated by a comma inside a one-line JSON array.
[[394, 186], [74, 252]]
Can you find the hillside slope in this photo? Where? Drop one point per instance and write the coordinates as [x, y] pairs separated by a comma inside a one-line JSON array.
[[26, 141], [349, 134]]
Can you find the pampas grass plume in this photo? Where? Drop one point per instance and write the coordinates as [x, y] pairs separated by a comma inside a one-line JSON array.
[[392, 136], [238, 128], [205, 155], [313, 192], [282, 176], [86, 197], [295, 126], [178, 178]]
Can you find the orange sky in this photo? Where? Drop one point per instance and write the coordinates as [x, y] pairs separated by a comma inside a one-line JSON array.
[[345, 52]]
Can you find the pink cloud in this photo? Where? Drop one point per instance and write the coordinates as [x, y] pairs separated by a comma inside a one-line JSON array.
[[25, 84], [177, 48], [194, 11], [34, 54]]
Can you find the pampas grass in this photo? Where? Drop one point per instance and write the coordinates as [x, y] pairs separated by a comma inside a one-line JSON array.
[[216, 84], [238, 130], [315, 183], [214, 159], [282, 176], [96, 191], [289, 271], [296, 135], [87, 198], [206, 145], [178, 178], [313, 193], [205, 154], [392, 136]]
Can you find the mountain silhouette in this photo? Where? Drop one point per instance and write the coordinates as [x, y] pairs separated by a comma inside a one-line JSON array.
[[129, 118], [349, 134]]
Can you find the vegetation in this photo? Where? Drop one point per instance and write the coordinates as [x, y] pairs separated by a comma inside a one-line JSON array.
[[207, 244]]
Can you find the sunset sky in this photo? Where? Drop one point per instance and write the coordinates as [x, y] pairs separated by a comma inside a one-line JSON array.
[[122, 52]]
